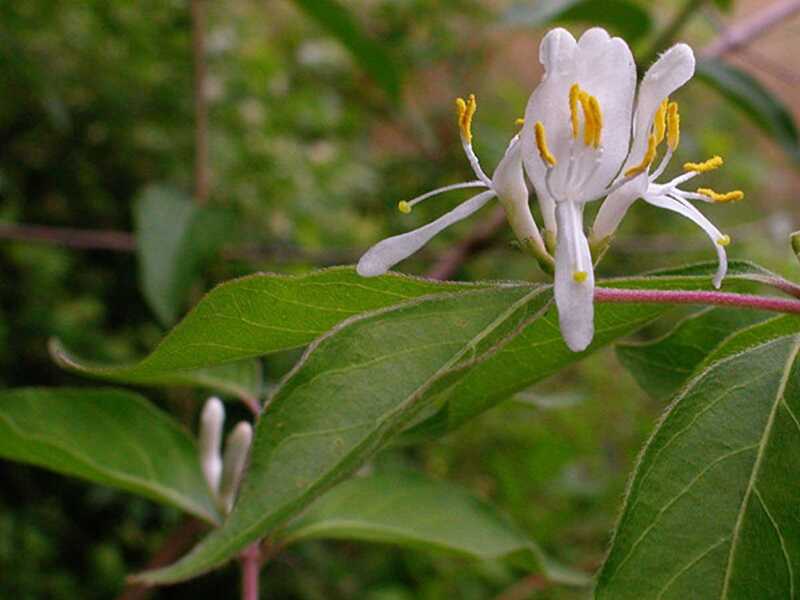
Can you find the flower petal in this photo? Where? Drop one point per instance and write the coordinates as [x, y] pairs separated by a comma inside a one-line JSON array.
[[606, 70], [549, 103], [691, 213], [603, 67], [574, 297], [614, 207], [674, 68], [387, 253], [508, 182]]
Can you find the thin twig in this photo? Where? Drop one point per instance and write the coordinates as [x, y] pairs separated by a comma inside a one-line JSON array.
[[122, 241], [478, 239], [200, 102], [751, 27], [176, 544], [102, 239], [770, 303]]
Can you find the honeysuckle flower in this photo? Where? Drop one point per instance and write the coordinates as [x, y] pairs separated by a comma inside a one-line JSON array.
[[507, 184], [575, 138], [657, 120], [583, 141]]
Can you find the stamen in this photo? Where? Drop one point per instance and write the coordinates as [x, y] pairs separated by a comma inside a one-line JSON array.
[[519, 122], [597, 115], [588, 117], [673, 126], [574, 93], [405, 206], [541, 143], [649, 155], [466, 110], [580, 276], [660, 122], [733, 196], [724, 240], [715, 162]]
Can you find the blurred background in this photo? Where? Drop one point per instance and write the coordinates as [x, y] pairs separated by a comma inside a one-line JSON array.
[[314, 118]]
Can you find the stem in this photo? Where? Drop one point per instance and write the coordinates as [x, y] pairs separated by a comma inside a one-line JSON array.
[[200, 102], [770, 303], [743, 33], [251, 566]]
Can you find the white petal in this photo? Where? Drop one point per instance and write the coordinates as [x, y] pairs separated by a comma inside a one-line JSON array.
[[690, 212], [602, 66], [614, 207], [674, 68], [574, 300], [387, 253], [606, 70], [549, 103], [509, 184]]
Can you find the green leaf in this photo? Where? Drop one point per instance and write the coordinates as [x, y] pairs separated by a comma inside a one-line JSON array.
[[712, 511], [339, 22], [175, 239], [724, 5], [662, 366], [754, 100], [539, 351], [354, 389], [260, 314], [407, 509], [112, 437], [628, 19], [377, 373], [242, 379]]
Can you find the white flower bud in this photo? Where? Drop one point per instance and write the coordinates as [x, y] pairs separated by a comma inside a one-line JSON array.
[[212, 420], [236, 448]]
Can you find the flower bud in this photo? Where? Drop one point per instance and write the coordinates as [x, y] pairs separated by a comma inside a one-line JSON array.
[[211, 421], [236, 448]]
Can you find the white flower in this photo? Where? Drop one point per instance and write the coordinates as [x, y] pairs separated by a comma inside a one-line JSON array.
[[582, 141], [657, 119], [507, 183], [575, 138]]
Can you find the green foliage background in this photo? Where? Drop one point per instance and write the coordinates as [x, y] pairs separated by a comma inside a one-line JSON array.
[[310, 154]]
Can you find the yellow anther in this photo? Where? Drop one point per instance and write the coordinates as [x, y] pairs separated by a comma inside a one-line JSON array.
[[715, 162], [519, 122], [466, 110], [589, 125], [404, 207], [597, 116], [541, 143], [673, 126], [580, 276], [649, 155], [660, 122], [724, 240], [574, 93], [733, 196]]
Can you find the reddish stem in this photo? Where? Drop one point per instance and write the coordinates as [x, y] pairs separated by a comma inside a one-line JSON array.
[[251, 567], [771, 303]]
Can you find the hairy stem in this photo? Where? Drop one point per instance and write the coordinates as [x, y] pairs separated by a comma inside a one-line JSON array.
[[770, 303]]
